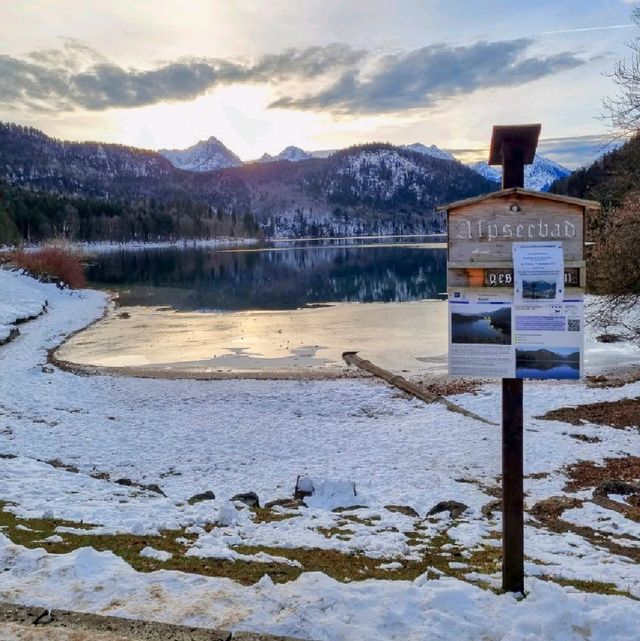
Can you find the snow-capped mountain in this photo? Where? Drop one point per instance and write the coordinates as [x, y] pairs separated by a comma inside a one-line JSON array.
[[429, 151], [290, 153], [205, 155], [538, 176]]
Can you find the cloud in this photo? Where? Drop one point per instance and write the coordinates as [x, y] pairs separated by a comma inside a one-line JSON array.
[[75, 76], [352, 81], [425, 76], [569, 151]]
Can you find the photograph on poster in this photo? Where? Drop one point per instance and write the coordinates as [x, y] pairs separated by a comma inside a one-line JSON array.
[[538, 290], [548, 362], [481, 324]]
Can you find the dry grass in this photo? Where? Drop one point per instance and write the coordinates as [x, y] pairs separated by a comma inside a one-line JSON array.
[[52, 263], [620, 414]]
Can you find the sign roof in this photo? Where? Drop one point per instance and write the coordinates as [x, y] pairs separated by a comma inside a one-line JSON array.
[[543, 195]]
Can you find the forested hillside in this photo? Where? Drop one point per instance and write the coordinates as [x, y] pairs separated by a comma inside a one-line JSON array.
[[100, 191]]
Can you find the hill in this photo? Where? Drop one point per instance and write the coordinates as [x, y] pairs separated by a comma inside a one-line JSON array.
[[368, 189], [609, 179]]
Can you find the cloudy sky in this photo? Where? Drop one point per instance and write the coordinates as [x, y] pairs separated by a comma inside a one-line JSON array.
[[319, 74]]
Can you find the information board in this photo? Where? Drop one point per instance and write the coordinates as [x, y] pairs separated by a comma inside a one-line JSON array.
[[516, 287]]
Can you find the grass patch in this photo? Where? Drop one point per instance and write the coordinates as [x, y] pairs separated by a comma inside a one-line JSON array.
[[265, 515], [593, 587]]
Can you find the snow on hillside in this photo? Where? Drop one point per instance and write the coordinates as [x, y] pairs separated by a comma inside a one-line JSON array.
[[538, 176], [429, 151], [381, 173], [189, 436], [205, 155]]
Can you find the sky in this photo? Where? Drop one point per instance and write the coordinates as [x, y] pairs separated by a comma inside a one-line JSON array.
[[317, 74]]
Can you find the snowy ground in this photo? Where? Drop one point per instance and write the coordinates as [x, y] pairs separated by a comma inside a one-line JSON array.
[[65, 440]]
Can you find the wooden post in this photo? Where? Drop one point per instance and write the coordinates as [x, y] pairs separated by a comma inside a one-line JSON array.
[[513, 147]]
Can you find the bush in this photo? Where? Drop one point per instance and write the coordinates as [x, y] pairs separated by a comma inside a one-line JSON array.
[[52, 263]]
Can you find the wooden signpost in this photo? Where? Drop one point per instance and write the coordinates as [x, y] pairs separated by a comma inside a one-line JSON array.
[[506, 316]]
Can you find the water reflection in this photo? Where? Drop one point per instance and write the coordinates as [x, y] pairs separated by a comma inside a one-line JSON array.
[[286, 276]]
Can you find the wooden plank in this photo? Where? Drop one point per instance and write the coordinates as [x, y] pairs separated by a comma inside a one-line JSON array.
[[502, 276]]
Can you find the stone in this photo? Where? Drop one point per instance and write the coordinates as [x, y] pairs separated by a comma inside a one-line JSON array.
[[609, 338], [349, 508], [614, 486], [455, 508], [250, 499], [402, 509], [152, 487], [492, 506], [304, 487], [126, 482], [203, 496]]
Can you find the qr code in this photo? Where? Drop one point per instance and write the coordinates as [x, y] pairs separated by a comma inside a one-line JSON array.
[[573, 325]]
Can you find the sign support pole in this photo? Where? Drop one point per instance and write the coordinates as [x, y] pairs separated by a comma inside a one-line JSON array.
[[514, 148]]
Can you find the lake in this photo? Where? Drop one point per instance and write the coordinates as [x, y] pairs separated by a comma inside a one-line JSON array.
[[285, 309], [278, 275]]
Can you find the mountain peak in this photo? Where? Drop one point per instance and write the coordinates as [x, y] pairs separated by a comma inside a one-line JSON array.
[[432, 150], [290, 153], [205, 155], [538, 176]]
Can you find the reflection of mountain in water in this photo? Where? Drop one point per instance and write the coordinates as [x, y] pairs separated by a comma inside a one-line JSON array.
[[487, 327], [544, 359], [198, 278]]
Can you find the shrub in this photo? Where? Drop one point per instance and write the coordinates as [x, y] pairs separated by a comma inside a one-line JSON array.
[[52, 263]]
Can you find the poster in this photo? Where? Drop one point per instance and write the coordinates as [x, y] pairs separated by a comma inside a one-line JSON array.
[[480, 334], [538, 270], [548, 339]]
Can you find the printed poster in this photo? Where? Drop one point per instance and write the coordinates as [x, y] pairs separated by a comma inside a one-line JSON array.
[[480, 334], [538, 272]]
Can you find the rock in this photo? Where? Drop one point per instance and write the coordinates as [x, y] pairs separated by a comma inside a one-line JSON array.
[[616, 487], [44, 618], [304, 487], [609, 338], [402, 509], [290, 504], [349, 508], [152, 487], [127, 482], [47, 369], [203, 496], [492, 506], [455, 508], [248, 498]]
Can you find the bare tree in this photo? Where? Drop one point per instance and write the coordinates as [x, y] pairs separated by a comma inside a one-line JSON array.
[[623, 109], [614, 265]]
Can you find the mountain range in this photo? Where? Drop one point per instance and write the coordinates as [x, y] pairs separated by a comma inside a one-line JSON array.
[[366, 189], [211, 154]]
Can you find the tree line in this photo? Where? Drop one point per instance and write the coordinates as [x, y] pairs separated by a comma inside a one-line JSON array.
[[30, 216]]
